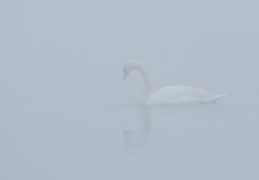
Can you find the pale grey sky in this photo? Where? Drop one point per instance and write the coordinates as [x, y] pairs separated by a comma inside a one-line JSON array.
[[60, 46]]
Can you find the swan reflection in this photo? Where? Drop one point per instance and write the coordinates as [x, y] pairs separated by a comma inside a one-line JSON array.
[[137, 131]]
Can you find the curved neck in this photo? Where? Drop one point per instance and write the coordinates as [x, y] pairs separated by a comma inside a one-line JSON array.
[[146, 89]]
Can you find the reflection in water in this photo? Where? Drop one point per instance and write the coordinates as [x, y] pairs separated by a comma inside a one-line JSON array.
[[137, 131]]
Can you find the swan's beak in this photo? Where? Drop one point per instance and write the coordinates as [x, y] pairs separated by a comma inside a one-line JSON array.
[[125, 74]]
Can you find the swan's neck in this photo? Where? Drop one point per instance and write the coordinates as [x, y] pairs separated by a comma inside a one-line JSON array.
[[146, 89]]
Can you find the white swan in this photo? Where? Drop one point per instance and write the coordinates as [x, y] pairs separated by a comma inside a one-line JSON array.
[[168, 95]]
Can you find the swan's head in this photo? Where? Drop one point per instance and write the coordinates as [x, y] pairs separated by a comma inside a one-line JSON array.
[[129, 67]]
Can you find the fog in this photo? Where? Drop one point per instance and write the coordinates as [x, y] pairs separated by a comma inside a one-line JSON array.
[[66, 114]]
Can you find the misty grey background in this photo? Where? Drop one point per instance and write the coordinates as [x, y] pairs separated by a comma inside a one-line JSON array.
[[65, 113]]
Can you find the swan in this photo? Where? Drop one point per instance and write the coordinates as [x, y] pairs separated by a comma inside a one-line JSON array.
[[168, 95]]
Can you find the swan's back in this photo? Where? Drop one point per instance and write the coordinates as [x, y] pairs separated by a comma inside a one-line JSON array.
[[179, 95]]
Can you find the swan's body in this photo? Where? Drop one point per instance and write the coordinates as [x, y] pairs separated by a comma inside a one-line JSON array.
[[169, 95]]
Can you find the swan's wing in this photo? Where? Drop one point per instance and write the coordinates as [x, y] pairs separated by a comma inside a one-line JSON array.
[[179, 95], [177, 91]]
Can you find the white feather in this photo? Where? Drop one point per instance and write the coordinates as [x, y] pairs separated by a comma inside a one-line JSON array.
[[169, 95]]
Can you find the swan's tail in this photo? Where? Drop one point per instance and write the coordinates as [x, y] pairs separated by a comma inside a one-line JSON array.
[[214, 98]]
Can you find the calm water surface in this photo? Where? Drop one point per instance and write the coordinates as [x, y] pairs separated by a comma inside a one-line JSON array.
[[75, 140]]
